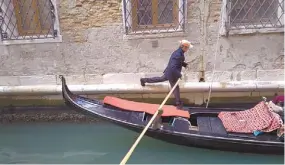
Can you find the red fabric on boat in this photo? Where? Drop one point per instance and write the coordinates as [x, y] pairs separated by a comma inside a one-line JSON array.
[[168, 110], [257, 118], [277, 99]]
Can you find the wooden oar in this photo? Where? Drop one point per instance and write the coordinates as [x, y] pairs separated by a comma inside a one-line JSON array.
[[127, 156]]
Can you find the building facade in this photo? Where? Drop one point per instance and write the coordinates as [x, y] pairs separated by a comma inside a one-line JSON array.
[[117, 42]]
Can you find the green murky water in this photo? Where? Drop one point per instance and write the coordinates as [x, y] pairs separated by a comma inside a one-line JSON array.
[[103, 143]]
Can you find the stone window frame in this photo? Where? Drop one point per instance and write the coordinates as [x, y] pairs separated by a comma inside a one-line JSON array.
[[157, 33], [224, 32], [57, 39]]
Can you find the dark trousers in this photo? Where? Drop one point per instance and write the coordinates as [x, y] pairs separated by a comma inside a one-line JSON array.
[[172, 82]]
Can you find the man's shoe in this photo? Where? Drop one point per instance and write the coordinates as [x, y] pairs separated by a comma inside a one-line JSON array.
[[142, 82], [179, 105]]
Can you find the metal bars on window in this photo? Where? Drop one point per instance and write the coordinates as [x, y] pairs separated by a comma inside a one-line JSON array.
[[153, 16], [255, 14], [27, 19]]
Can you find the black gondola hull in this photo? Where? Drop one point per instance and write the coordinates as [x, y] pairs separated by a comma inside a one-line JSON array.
[[200, 139]]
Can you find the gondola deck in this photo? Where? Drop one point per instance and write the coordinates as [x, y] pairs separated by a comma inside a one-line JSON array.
[[168, 110], [202, 128]]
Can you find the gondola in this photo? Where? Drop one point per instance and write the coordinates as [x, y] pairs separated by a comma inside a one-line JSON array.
[[194, 127]]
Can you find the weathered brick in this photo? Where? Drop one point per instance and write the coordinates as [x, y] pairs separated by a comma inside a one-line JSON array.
[[270, 75], [87, 14]]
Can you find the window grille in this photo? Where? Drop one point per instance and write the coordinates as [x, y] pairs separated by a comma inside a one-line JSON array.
[[27, 19], [154, 16], [255, 14]]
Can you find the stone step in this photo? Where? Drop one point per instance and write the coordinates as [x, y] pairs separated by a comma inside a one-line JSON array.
[[134, 78]]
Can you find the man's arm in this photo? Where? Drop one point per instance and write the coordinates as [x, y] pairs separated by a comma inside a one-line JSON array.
[[176, 62]]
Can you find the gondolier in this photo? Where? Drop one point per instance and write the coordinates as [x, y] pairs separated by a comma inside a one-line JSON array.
[[173, 70]]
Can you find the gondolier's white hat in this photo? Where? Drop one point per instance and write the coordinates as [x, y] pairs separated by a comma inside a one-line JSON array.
[[186, 43]]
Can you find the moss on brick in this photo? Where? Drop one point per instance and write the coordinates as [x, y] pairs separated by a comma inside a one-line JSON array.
[[30, 102], [249, 99]]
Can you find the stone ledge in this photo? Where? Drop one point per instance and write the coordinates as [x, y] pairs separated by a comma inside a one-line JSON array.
[[36, 80], [143, 35], [134, 78], [58, 39], [9, 81], [252, 31], [233, 86], [122, 78], [34, 102], [270, 75], [191, 77], [93, 79], [87, 79], [221, 76], [244, 75], [72, 79]]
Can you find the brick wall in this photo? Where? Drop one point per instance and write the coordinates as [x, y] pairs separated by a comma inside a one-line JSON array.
[[76, 16], [94, 43]]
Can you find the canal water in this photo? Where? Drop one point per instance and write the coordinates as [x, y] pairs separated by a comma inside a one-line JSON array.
[[103, 143]]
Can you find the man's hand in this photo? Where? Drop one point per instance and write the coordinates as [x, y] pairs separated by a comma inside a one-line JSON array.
[[187, 63], [184, 64]]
